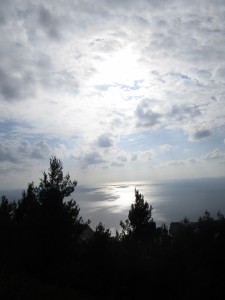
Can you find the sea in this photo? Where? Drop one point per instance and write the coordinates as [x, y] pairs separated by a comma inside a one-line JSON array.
[[171, 200]]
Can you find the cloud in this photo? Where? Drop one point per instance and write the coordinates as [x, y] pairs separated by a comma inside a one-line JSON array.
[[214, 155], [134, 156], [6, 11], [104, 141], [146, 117], [48, 23], [122, 158], [41, 150], [192, 160], [149, 114], [219, 74], [79, 75], [201, 134], [15, 85], [117, 164], [147, 155], [166, 148], [183, 112], [8, 151], [20, 151], [92, 158], [176, 163], [105, 45]]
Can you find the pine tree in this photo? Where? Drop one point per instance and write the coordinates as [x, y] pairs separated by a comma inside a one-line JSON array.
[[139, 223]]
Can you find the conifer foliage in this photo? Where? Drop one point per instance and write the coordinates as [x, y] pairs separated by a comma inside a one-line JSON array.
[[140, 222]]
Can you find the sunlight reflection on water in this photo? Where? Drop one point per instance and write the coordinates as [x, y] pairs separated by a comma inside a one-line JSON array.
[[171, 200], [111, 202]]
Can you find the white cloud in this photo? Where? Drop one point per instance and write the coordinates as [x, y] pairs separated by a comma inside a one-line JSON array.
[[147, 155], [84, 78], [176, 163], [166, 148], [215, 154]]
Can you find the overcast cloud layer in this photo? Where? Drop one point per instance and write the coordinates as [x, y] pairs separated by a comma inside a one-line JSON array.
[[119, 90]]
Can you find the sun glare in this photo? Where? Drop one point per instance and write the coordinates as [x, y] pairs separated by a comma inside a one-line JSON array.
[[121, 67]]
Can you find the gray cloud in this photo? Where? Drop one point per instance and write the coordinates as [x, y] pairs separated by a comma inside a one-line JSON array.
[[182, 112], [6, 11], [189, 38], [92, 158], [146, 117], [7, 151], [104, 141], [134, 6], [134, 157], [41, 150], [219, 74], [201, 134], [15, 86], [122, 158], [17, 151], [192, 160], [117, 164], [105, 45], [43, 61], [27, 66], [49, 23]]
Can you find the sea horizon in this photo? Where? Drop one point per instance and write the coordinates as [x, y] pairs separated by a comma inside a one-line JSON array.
[[172, 200]]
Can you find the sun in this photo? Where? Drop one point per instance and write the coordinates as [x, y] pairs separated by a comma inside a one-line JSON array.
[[121, 67]]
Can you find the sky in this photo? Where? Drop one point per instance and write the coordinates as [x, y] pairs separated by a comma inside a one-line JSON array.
[[118, 90]]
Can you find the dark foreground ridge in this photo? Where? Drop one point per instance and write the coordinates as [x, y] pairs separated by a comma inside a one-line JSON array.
[[47, 251]]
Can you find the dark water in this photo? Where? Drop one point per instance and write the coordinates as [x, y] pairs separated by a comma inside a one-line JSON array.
[[171, 200]]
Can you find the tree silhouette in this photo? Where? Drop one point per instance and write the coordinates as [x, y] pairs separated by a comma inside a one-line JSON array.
[[139, 223], [28, 207], [6, 230], [101, 231], [60, 221], [47, 224], [54, 186], [42, 249], [6, 210]]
